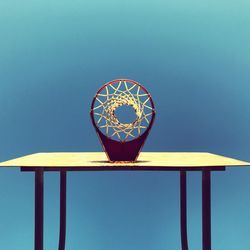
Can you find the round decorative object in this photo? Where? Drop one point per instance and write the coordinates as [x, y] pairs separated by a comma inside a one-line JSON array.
[[122, 113]]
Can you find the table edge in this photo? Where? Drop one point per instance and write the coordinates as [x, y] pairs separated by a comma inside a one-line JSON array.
[[124, 168]]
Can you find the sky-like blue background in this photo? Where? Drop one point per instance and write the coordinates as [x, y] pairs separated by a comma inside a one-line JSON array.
[[194, 58]]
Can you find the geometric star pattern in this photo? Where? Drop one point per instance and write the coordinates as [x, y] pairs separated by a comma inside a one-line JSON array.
[[114, 95]]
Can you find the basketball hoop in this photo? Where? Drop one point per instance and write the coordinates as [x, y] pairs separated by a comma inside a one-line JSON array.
[[122, 141]]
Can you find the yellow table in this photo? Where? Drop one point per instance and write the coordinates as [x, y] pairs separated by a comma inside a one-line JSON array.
[[147, 161]]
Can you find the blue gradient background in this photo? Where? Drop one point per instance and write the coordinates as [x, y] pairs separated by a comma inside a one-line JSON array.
[[194, 58]]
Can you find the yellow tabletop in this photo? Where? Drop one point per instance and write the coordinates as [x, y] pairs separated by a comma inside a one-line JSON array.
[[150, 160]]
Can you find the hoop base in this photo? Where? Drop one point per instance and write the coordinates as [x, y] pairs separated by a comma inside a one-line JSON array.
[[122, 151]]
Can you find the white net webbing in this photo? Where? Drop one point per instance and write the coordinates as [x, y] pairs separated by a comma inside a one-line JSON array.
[[115, 95]]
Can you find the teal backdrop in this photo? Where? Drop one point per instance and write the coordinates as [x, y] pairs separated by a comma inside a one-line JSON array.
[[193, 57]]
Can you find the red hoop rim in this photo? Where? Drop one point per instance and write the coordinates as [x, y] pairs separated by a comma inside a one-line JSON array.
[[113, 82]]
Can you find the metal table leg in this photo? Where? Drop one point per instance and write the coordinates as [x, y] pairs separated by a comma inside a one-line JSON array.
[[39, 209], [206, 210], [63, 183], [183, 210]]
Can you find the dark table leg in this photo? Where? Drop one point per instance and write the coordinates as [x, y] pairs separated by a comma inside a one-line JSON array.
[[183, 209], [39, 209], [206, 210], [63, 183]]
